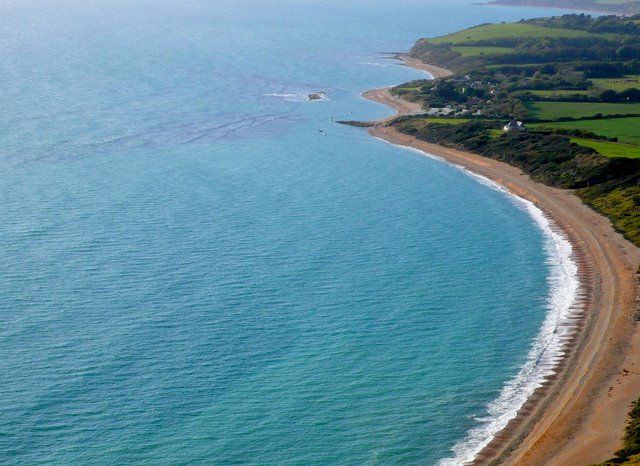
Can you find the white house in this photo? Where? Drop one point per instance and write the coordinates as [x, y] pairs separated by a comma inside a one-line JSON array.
[[514, 125]]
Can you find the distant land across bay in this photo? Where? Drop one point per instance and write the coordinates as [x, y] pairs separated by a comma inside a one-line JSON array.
[[603, 6]]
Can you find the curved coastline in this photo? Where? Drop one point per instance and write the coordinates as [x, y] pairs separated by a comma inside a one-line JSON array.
[[577, 413]]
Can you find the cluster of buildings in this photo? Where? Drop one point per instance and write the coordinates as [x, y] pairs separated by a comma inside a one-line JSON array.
[[448, 110]]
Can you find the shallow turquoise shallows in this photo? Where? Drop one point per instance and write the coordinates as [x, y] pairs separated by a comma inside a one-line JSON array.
[[191, 271]]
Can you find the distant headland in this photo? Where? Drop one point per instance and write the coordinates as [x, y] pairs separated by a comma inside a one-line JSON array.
[[603, 6]]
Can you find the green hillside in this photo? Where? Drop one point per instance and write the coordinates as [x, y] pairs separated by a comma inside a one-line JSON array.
[[520, 30]]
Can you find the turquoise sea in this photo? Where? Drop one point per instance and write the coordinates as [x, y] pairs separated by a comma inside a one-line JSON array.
[[192, 273]]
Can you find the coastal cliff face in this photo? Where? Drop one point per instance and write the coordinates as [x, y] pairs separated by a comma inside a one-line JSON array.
[[441, 55]]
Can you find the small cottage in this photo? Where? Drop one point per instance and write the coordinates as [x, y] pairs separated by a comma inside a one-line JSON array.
[[514, 125]]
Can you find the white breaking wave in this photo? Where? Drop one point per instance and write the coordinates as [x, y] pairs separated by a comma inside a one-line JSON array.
[[547, 348], [371, 63]]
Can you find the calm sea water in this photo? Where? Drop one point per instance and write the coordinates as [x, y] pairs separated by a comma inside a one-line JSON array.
[[191, 272]]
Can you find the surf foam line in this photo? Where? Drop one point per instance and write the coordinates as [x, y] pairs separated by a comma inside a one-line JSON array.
[[548, 347]]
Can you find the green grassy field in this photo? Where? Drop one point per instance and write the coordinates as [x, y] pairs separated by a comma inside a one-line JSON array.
[[555, 92], [610, 149], [552, 110], [519, 30], [618, 84], [625, 129], [467, 51]]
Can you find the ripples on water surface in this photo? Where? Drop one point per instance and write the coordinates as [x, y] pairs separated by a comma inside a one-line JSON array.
[[191, 272]]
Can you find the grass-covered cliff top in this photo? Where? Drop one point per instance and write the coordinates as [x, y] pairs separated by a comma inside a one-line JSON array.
[[560, 38]]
